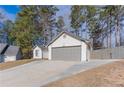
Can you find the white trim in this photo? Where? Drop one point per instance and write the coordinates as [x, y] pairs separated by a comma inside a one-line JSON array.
[[50, 52], [83, 49], [40, 52], [68, 41]]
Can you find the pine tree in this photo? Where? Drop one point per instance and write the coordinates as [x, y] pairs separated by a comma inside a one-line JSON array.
[[60, 24], [32, 23]]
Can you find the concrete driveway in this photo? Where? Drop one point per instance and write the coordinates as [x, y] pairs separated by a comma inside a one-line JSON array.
[[39, 73]]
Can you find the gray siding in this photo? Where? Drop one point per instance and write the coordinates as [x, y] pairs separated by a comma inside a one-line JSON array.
[[114, 53], [67, 53]]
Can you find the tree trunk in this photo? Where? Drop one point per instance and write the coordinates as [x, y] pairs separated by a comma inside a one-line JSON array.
[[110, 38], [110, 31], [107, 33], [117, 32], [107, 41]]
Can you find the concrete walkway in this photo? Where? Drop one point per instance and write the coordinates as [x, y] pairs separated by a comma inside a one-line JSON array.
[[39, 73]]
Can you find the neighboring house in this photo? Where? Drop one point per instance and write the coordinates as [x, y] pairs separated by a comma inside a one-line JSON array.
[[40, 52], [9, 53], [68, 47], [3, 48], [12, 53]]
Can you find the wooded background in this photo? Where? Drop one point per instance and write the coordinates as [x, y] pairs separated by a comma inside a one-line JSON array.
[[102, 25]]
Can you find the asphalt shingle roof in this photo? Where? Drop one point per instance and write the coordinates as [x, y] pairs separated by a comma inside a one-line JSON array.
[[2, 47], [12, 51]]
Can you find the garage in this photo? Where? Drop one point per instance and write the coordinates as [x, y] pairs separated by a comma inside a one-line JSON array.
[[67, 47], [73, 53]]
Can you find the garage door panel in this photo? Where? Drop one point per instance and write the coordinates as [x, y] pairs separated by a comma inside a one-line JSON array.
[[67, 53]]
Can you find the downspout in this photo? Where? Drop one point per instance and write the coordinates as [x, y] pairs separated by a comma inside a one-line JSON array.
[[87, 54]]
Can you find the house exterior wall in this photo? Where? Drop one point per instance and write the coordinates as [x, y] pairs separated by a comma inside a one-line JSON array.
[[83, 52], [45, 53], [50, 52], [40, 52], [13, 58], [66, 40], [9, 58]]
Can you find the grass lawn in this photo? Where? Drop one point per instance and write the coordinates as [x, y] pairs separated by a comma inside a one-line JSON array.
[[109, 75], [7, 65]]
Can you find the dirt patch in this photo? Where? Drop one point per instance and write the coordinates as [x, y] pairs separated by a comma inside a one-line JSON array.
[[7, 65], [109, 75]]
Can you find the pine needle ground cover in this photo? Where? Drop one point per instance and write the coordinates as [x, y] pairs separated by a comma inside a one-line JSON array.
[[109, 75], [7, 65]]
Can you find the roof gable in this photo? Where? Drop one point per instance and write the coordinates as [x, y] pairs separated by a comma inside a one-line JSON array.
[[71, 35], [40, 46]]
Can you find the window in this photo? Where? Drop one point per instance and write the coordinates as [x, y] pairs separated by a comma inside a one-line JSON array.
[[37, 53]]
